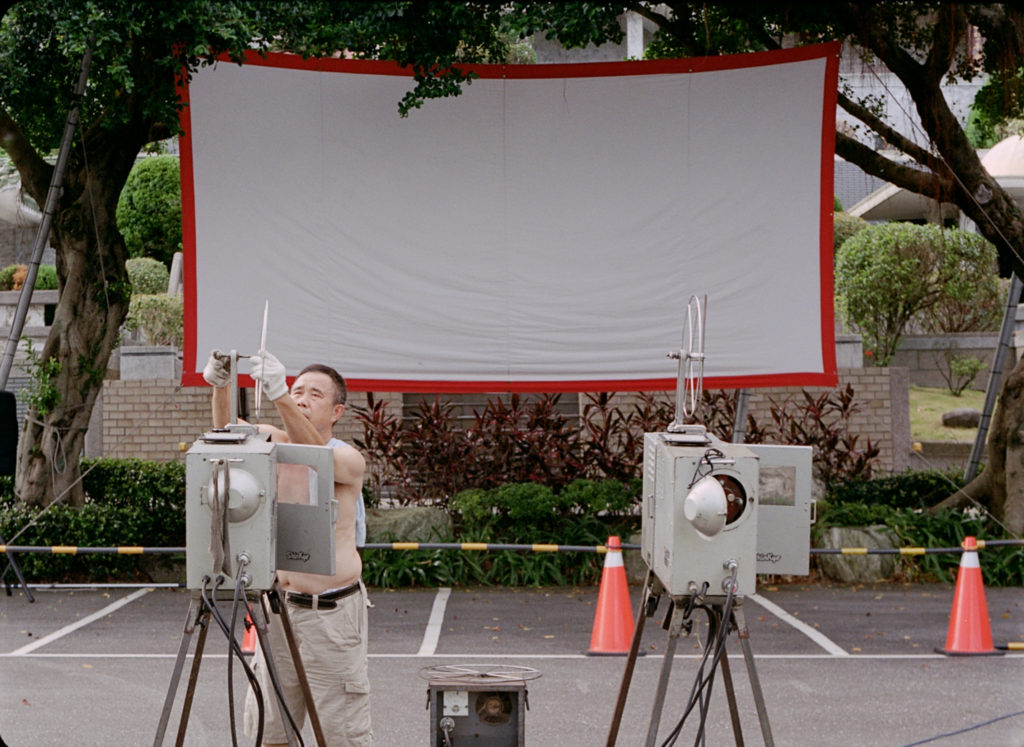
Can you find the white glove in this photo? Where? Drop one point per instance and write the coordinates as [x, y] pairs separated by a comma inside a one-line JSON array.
[[270, 371], [218, 369]]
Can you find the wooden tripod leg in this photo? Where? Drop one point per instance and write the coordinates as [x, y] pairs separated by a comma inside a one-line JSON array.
[[300, 671]]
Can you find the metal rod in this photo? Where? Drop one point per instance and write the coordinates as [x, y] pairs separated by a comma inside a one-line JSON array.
[[172, 688], [743, 633], [995, 375], [634, 651], [43, 231], [739, 425], [730, 695], [675, 628]]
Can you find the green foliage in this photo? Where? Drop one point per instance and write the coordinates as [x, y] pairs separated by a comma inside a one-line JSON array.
[[916, 528], [889, 275], [148, 276], [7, 277], [998, 108], [149, 209], [584, 513], [430, 457], [912, 489], [844, 226], [128, 502], [898, 502], [46, 277], [837, 204], [159, 317], [960, 371], [42, 394]]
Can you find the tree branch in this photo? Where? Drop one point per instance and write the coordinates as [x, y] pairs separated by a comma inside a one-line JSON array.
[[946, 37], [34, 171], [891, 136], [916, 180], [977, 490]]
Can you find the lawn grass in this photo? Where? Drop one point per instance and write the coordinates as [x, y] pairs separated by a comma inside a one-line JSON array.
[[927, 406]]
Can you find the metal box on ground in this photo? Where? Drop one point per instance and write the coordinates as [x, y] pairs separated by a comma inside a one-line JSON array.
[[481, 705]]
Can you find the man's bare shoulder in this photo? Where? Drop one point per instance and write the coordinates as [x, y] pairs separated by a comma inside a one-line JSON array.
[[349, 464]]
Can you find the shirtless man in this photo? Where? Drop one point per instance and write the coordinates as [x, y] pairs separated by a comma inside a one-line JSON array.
[[328, 613]]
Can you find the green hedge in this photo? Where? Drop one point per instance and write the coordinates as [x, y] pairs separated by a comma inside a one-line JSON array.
[[585, 512], [128, 502], [908, 490]]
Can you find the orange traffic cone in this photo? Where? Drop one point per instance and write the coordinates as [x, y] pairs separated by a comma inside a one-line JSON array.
[[249, 639], [969, 630], [613, 619]]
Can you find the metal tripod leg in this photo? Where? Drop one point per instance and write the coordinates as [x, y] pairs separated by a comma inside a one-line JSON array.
[[12, 565], [743, 633], [730, 696], [645, 610], [202, 619], [674, 630], [262, 622]]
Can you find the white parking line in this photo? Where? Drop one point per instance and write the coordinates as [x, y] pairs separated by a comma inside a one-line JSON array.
[[27, 649], [433, 632], [822, 640]]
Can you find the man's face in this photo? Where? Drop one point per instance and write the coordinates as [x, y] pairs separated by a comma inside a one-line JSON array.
[[314, 394]]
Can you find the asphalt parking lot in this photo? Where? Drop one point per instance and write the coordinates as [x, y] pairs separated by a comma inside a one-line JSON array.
[[839, 665]]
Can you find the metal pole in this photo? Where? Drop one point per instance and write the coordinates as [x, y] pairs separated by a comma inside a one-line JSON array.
[[56, 185], [739, 426], [995, 375]]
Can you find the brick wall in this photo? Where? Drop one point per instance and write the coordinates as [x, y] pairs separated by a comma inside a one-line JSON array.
[[159, 420]]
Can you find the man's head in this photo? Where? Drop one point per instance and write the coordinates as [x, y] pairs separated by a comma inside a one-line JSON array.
[[320, 392]]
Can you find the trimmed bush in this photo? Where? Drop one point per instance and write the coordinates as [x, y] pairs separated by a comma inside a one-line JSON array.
[[159, 317], [890, 275], [908, 490], [12, 276], [149, 209], [147, 275], [844, 226]]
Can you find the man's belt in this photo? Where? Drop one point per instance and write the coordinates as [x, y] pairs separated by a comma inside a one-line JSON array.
[[327, 600]]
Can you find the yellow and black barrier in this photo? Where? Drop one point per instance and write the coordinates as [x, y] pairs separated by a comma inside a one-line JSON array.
[[76, 550], [494, 547]]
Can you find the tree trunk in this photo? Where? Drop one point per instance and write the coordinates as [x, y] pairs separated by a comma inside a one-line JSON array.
[[1000, 488], [93, 302]]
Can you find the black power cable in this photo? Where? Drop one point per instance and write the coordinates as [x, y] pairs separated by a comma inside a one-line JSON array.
[[700, 692], [234, 648]]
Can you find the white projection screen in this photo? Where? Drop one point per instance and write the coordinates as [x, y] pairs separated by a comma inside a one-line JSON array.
[[544, 231]]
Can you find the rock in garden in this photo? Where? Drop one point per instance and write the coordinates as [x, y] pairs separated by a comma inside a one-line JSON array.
[[962, 417]]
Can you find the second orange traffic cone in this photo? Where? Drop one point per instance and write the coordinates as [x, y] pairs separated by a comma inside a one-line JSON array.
[[249, 639], [969, 631], [613, 619]]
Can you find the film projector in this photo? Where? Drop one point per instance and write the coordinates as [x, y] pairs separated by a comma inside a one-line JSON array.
[[238, 535], [715, 514]]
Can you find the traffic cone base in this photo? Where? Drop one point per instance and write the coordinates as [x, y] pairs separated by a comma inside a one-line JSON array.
[[969, 631], [613, 619]]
